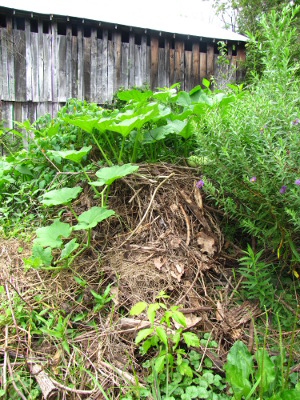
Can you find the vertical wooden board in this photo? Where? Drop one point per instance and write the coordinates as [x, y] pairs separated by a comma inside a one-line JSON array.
[[4, 94], [196, 64], [62, 81], [148, 68], [110, 71], [41, 61], [93, 84], [34, 68], [188, 71], [138, 81], [234, 66], [68, 62], [47, 66], [203, 66], [131, 62], [41, 109], [144, 59], [55, 108], [54, 57], [240, 59], [87, 68], [29, 48], [11, 50], [1, 71], [19, 66], [167, 62], [48, 108], [210, 60], [117, 40], [179, 63], [172, 67], [32, 112], [99, 97], [154, 63], [74, 67], [24, 116], [161, 73], [17, 113], [125, 69], [7, 114], [80, 63], [104, 66]]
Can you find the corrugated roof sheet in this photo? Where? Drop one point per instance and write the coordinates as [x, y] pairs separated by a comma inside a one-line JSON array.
[[124, 14]]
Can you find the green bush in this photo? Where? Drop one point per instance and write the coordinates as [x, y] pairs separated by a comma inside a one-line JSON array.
[[251, 149]]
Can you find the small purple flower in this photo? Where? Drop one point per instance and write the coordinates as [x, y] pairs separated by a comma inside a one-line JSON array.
[[297, 182], [282, 189], [253, 179], [199, 184], [295, 122]]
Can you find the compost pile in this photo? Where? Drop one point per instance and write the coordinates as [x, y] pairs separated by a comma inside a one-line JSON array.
[[164, 238]]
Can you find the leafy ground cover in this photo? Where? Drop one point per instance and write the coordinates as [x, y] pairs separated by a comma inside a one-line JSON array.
[[150, 250]]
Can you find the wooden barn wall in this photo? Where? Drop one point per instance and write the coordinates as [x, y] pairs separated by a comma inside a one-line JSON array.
[[40, 71]]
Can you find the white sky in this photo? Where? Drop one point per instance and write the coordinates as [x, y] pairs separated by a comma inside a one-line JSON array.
[[192, 17]]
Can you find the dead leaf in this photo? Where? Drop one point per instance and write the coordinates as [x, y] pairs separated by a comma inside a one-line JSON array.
[[173, 207], [179, 271], [114, 291], [220, 311], [207, 243], [198, 199], [159, 262], [175, 242]]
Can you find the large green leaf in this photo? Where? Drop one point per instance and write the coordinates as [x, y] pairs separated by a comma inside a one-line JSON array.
[[238, 368], [68, 249], [61, 196], [89, 219], [50, 236], [191, 339], [125, 127], [107, 175], [143, 333], [42, 254], [73, 155], [157, 134], [138, 308], [162, 335], [87, 124], [135, 96], [266, 369]]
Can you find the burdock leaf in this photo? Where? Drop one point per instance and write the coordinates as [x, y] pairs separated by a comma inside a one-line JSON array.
[[50, 236], [68, 249], [73, 155], [61, 196], [89, 219], [107, 175]]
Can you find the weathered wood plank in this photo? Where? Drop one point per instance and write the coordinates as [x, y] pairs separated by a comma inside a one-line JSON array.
[[172, 67], [68, 61], [104, 66], [93, 82], [117, 40], [17, 113], [188, 70], [41, 61], [154, 63], [144, 59], [32, 112], [125, 69], [240, 59], [34, 69], [3, 65], [62, 81], [19, 67], [74, 67], [131, 59], [55, 108], [210, 61], [48, 108], [41, 109], [47, 66], [138, 81], [87, 68], [161, 75], [110, 70], [29, 50], [11, 49], [179, 63], [196, 64], [54, 57], [7, 114], [24, 116], [167, 62], [99, 97], [203, 66], [80, 63], [148, 68]]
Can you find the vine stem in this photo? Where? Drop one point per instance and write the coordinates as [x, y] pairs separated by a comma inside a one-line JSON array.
[[101, 151]]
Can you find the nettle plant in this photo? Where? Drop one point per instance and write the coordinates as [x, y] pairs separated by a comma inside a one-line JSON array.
[[175, 371], [51, 237]]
